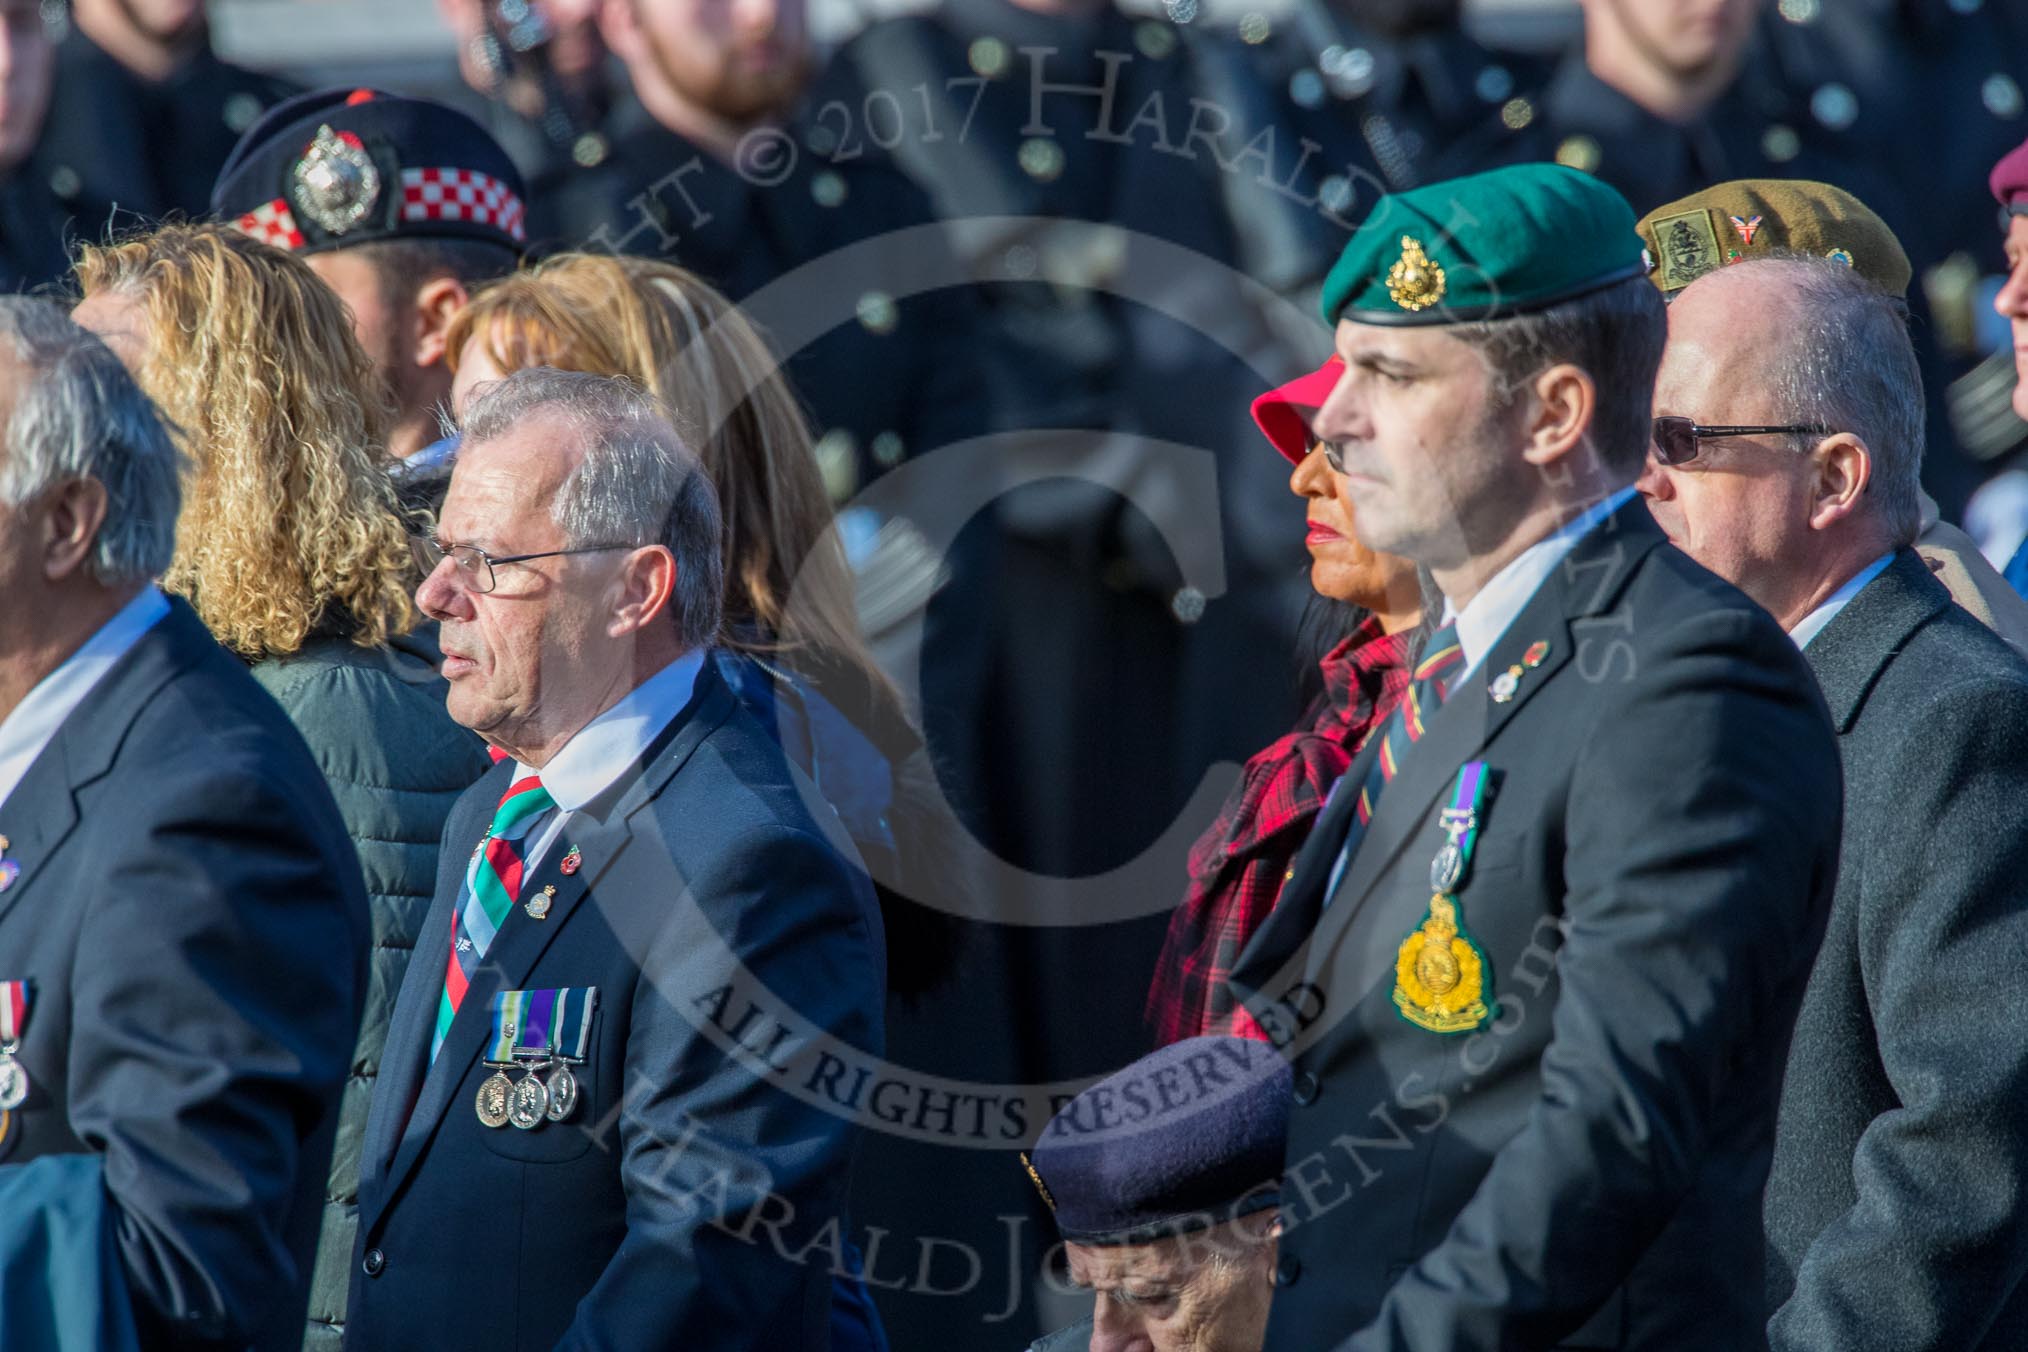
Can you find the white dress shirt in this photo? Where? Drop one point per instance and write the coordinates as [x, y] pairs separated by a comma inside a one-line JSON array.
[[35, 721], [1813, 623], [607, 747], [1486, 616]]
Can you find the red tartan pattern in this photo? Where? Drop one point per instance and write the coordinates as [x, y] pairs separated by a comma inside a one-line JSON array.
[[1239, 866]]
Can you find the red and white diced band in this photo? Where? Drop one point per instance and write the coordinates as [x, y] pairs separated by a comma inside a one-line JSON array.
[[426, 195], [273, 224]]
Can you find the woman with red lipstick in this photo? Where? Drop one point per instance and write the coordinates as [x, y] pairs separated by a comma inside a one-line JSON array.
[[1369, 604]]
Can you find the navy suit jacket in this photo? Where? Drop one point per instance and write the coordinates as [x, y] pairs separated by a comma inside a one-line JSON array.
[[191, 917], [734, 945], [1651, 879]]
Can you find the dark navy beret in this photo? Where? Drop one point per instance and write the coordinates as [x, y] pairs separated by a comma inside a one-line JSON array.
[[1183, 1139], [338, 167]]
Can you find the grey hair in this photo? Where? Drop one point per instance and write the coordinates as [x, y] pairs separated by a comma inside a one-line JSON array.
[[1615, 335], [78, 414], [1843, 359], [637, 483]]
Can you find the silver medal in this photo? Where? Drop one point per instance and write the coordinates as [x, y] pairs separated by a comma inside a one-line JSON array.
[[13, 1084], [562, 1094], [529, 1103], [1447, 868], [495, 1095]]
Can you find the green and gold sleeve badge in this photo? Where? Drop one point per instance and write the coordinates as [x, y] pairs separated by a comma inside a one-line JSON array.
[[1441, 981]]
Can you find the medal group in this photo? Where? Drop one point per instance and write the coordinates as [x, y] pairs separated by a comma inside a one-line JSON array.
[[544, 1033]]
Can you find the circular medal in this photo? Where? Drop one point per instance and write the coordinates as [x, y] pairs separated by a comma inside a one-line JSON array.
[[494, 1096], [529, 1103], [1447, 868], [13, 1084], [562, 1094]]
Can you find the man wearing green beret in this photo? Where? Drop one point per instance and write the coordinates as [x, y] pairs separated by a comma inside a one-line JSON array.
[[1537, 966], [1769, 217]]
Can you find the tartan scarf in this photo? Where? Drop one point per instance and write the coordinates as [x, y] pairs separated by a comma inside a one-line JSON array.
[[1239, 865]]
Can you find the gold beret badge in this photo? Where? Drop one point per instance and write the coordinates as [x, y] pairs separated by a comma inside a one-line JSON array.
[[1416, 281]]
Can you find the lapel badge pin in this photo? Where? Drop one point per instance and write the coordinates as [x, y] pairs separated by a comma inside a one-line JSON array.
[[1505, 684], [1747, 228], [538, 906], [10, 869], [1537, 651], [572, 862]]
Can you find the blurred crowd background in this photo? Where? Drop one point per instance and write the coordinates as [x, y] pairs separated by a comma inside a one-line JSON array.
[[1142, 202]]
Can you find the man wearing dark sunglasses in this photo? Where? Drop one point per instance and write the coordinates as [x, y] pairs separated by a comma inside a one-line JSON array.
[[1786, 460], [1756, 217]]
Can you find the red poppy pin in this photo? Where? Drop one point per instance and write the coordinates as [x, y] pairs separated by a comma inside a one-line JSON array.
[[572, 862]]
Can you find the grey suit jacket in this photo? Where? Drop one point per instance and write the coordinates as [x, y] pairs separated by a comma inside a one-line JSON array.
[[1901, 1156]]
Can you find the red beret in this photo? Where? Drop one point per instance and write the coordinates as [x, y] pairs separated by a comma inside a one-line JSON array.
[[1283, 414], [2010, 178]]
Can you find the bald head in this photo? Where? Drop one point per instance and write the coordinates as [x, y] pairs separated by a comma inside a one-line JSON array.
[[1790, 342]]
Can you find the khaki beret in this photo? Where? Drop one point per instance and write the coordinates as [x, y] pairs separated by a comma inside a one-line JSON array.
[[1732, 221]]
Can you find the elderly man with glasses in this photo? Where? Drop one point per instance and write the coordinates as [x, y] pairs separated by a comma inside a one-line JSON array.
[[595, 1124], [1785, 458]]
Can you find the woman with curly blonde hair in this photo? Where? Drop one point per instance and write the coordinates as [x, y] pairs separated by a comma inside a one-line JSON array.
[[289, 547]]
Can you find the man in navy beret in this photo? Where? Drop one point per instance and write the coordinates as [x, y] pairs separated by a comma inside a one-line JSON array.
[[1165, 1180], [403, 206]]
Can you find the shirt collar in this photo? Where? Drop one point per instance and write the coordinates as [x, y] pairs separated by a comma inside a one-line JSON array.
[[1486, 617], [613, 743], [1813, 623], [34, 722]]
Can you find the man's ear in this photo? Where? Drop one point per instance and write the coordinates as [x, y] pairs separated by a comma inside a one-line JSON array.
[[641, 591], [437, 303], [1843, 472], [72, 513], [1561, 414]]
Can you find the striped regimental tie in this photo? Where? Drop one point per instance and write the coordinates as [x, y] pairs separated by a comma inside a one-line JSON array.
[[492, 885], [1442, 660]]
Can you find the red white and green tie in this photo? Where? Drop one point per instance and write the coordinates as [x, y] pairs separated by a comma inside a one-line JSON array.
[[492, 886]]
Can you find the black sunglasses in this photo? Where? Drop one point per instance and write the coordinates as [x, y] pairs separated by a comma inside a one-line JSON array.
[[1676, 438]]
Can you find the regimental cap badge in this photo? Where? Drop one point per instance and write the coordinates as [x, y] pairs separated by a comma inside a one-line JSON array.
[[336, 183], [1416, 281]]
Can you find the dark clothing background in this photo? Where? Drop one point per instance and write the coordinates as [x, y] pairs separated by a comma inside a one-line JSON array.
[[1649, 886], [1901, 1160], [375, 722], [191, 916]]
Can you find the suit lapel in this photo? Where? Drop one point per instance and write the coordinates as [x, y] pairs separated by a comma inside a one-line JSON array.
[[404, 1060], [42, 811], [1856, 646], [1275, 947], [601, 835], [1585, 583]]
